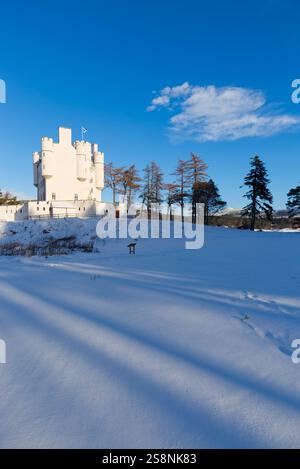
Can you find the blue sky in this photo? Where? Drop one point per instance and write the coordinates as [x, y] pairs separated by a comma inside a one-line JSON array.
[[99, 64]]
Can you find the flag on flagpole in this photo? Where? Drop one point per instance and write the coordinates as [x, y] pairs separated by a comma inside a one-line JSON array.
[[83, 131]]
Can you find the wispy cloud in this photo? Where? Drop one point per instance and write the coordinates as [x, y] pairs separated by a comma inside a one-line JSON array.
[[209, 113]]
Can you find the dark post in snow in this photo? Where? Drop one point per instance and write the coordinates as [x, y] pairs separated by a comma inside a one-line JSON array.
[[131, 247]]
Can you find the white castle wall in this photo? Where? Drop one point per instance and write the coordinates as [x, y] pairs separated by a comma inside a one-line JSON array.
[[13, 212], [42, 209]]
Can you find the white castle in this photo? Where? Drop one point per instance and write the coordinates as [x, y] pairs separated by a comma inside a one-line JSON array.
[[68, 171], [69, 178]]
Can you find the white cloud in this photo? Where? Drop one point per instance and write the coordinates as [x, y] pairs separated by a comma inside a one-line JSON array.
[[208, 113], [159, 101]]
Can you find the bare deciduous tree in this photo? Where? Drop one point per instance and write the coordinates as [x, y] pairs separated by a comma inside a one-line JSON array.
[[113, 178]]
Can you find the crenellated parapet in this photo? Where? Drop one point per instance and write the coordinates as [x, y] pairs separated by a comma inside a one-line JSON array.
[[47, 144]]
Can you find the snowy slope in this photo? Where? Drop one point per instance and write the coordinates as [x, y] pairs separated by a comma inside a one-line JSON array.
[[111, 350], [40, 232]]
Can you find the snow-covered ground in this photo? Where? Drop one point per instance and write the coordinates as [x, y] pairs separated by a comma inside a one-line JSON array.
[[169, 348]]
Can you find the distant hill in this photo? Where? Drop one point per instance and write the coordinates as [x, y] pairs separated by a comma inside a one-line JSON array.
[[236, 212]]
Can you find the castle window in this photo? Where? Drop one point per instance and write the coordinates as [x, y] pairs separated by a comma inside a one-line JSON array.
[[53, 196], [75, 196]]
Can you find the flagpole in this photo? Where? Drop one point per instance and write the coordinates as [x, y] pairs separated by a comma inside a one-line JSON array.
[[83, 131]]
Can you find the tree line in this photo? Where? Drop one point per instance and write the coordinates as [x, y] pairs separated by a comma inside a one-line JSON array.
[[189, 183]]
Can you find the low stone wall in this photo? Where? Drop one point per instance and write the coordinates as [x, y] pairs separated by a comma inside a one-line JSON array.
[[55, 209]]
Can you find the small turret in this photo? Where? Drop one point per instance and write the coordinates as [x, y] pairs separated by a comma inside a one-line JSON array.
[[99, 168], [47, 157]]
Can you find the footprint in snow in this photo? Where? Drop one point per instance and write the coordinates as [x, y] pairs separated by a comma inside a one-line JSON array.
[[282, 344]]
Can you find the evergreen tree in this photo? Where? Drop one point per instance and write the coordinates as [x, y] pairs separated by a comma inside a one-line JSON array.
[[259, 194], [293, 203], [207, 193]]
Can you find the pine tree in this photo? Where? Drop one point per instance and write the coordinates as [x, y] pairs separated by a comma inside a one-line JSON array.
[[207, 193], [259, 194], [293, 203]]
